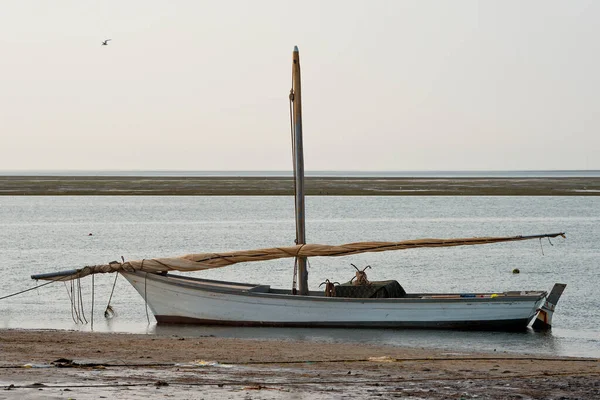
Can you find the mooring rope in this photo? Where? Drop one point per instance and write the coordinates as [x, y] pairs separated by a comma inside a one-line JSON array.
[[26, 290]]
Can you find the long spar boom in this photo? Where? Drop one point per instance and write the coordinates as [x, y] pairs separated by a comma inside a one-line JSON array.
[[201, 261]]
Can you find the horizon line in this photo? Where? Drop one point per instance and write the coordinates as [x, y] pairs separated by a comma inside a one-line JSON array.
[[290, 170]]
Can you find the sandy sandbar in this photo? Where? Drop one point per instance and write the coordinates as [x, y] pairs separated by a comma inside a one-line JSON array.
[[319, 186]]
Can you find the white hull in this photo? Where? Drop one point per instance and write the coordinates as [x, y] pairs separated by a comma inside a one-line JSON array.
[[177, 299]]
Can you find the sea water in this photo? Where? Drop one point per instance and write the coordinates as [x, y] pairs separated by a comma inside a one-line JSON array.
[[45, 234]]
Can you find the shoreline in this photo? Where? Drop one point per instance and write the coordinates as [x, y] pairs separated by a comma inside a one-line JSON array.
[[139, 365], [283, 186]]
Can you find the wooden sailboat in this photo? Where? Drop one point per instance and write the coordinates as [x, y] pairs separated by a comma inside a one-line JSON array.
[[182, 299]]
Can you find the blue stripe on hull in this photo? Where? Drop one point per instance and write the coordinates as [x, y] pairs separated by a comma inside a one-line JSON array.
[[503, 325]]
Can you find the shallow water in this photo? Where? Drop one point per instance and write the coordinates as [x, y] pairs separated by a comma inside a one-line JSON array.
[[45, 234]]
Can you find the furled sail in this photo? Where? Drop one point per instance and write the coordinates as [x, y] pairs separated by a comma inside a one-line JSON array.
[[202, 261]]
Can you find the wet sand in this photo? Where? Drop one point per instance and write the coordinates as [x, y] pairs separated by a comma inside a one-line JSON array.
[[273, 186], [128, 366]]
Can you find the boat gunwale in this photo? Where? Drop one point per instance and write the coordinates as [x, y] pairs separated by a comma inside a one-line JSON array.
[[197, 283]]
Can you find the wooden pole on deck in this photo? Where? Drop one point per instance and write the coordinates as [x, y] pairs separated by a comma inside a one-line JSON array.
[[299, 171]]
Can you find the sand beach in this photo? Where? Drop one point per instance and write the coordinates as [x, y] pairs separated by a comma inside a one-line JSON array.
[[49, 364]]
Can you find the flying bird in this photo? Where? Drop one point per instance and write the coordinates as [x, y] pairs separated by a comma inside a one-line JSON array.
[[105, 43]]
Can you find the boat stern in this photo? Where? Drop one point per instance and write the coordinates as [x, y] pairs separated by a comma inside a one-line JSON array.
[[543, 319]]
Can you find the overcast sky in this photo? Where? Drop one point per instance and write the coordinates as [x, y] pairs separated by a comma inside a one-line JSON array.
[[387, 85]]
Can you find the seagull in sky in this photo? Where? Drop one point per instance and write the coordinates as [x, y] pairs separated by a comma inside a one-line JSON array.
[[105, 43]]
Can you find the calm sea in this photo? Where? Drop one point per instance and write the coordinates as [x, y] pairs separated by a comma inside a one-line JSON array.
[[44, 234]]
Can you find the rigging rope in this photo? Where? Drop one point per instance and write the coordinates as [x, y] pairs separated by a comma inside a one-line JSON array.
[[71, 301], [294, 280], [109, 312], [81, 306], [293, 135], [145, 294], [76, 299]]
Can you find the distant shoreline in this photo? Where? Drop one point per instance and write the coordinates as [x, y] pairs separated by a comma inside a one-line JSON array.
[[283, 186]]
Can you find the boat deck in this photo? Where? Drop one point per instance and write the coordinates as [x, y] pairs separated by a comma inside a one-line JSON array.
[[266, 289]]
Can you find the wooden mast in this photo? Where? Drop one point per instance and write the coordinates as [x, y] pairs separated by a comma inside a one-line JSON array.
[[299, 171]]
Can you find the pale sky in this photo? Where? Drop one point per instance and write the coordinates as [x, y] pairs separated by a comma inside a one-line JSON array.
[[387, 85]]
